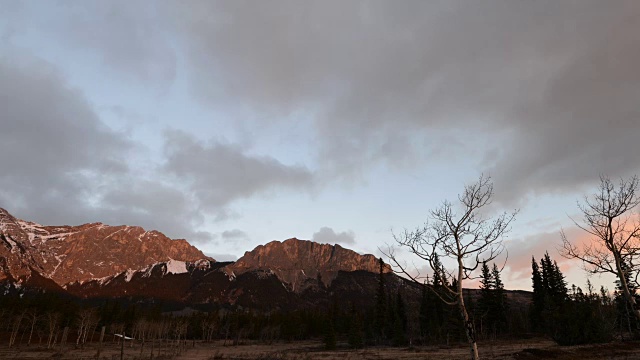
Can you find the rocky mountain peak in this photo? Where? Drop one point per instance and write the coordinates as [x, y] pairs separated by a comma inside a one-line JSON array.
[[294, 261], [79, 253]]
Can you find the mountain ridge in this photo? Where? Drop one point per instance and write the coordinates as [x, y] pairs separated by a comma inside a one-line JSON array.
[[83, 252], [99, 253], [290, 274]]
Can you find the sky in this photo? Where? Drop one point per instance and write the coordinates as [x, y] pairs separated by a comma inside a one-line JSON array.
[[235, 123]]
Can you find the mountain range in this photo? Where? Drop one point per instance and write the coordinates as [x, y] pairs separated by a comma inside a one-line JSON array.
[[98, 261], [101, 261]]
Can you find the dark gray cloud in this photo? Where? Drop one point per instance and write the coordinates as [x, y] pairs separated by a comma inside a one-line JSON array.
[[552, 86], [52, 145], [219, 173], [327, 235], [128, 36]]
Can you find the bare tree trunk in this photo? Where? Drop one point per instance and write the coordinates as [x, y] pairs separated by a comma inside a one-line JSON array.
[[63, 340], [55, 338], [469, 329], [468, 324], [34, 318], [16, 328], [122, 346], [631, 300], [100, 343]]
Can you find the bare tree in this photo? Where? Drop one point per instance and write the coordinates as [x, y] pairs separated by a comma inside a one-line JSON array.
[[53, 321], [461, 233], [32, 316], [609, 217], [17, 321], [85, 320]]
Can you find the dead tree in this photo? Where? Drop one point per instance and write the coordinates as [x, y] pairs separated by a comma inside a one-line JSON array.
[[609, 217], [459, 232]]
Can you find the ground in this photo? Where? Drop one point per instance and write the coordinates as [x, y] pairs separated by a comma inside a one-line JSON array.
[[511, 349]]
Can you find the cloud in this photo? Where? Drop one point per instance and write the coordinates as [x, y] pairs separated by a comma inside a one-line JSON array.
[[327, 235], [127, 36], [545, 93], [541, 94], [60, 164], [52, 144], [223, 257], [154, 205], [521, 250], [235, 234], [219, 173]]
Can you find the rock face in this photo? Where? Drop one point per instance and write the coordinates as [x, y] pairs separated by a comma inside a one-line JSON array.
[[293, 274], [295, 262], [79, 253]]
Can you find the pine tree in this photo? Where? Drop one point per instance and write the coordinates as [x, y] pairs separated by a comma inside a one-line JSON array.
[[549, 293], [400, 321], [487, 285], [356, 338], [424, 311], [558, 286], [434, 313], [381, 323], [539, 296], [500, 304]]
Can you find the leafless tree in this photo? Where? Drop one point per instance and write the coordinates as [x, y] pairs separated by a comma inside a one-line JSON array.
[[86, 320], [609, 217], [32, 316], [462, 233], [17, 321], [53, 321]]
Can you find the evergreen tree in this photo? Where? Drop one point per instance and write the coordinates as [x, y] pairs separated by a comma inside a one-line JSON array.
[[356, 337], [539, 296], [557, 284], [400, 321], [500, 305], [381, 323], [487, 285], [492, 305], [549, 294], [434, 314], [424, 316]]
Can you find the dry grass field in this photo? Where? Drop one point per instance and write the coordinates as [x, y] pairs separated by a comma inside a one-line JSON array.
[[513, 349]]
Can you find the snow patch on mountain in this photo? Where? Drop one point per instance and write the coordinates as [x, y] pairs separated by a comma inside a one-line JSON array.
[[129, 275], [176, 267]]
